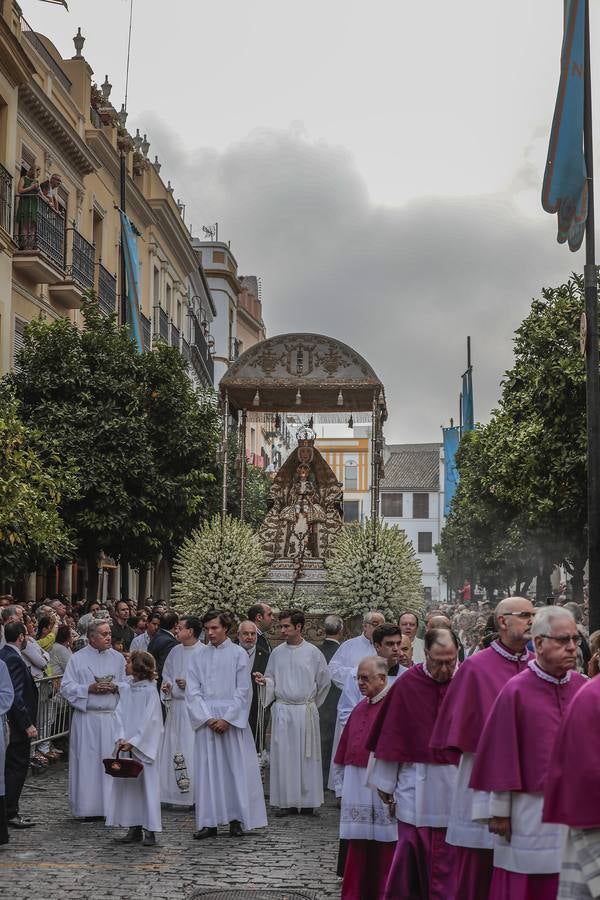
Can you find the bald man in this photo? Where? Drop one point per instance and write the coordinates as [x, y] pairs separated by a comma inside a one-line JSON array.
[[460, 723], [258, 658]]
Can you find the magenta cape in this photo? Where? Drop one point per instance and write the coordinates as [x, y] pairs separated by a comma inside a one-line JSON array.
[[514, 751], [402, 730], [352, 748], [573, 783], [470, 698]]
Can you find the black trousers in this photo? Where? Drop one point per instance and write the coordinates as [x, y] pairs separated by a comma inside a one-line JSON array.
[[15, 771]]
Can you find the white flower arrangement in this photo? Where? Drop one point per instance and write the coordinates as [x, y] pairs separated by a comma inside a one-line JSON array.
[[363, 573], [219, 565]]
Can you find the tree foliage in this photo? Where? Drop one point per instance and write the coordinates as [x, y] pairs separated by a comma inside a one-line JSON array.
[[32, 532], [361, 577], [219, 565]]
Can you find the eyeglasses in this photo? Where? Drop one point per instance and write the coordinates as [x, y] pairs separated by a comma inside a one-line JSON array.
[[520, 615], [564, 639]]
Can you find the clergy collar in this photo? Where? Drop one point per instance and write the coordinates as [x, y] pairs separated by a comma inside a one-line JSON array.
[[503, 651], [380, 695], [545, 676]]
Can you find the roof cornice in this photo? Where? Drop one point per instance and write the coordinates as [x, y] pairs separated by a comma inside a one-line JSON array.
[[14, 61], [175, 233], [35, 104]]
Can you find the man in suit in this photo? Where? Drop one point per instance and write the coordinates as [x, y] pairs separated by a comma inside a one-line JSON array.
[[22, 717], [248, 639], [334, 627], [262, 616], [163, 642]]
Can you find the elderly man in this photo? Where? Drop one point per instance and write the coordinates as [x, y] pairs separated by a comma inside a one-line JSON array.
[[258, 658], [572, 794], [460, 722], [414, 780], [296, 678], [91, 685], [350, 653], [513, 761], [368, 832], [176, 774], [409, 624], [333, 627]]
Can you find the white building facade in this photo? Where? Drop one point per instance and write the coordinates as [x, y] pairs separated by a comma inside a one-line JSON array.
[[412, 498]]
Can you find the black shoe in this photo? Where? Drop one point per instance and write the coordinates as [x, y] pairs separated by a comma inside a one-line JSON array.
[[20, 822], [309, 811], [286, 811], [133, 836], [149, 839], [204, 833], [235, 829]]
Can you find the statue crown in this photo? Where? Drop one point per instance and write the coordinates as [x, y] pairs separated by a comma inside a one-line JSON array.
[[305, 436]]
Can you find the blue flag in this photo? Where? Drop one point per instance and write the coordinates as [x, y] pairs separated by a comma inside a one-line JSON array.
[[468, 416], [565, 178], [451, 442], [132, 268]]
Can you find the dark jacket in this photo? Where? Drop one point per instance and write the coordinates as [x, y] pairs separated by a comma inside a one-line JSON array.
[[160, 646], [23, 712], [328, 711], [259, 664], [265, 646]]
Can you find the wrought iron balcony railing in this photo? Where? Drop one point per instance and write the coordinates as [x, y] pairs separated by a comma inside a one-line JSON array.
[[161, 324], [107, 291], [145, 324], [186, 350], [39, 228], [202, 360], [5, 199], [175, 336], [83, 261]]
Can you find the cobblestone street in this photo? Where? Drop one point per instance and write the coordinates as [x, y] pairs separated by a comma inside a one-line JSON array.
[[64, 858]]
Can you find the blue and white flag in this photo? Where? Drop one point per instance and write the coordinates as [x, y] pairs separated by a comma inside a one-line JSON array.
[[468, 415], [565, 178], [451, 442], [132, 269]]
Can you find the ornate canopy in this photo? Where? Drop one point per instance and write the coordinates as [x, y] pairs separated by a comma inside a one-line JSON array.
[[302, 372]]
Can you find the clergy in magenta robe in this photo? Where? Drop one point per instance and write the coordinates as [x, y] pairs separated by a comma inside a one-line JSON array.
[[134, 802], [367, 828], [92, 724], [228, 787], [459, 725], [297, 681], [177, 776], [572, 794], [513, 757], [417, 779]]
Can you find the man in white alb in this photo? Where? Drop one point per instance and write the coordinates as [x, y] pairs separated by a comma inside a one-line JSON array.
[[346, 659], [228, 788], [296, 678], [176, 765], [91, 686]]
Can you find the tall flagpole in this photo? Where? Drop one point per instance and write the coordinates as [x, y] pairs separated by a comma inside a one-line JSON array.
[[591, 358]]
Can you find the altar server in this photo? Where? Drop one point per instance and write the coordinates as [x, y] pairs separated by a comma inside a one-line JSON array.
[[572, 794], [91, 685], [296, 678], [513, 758], [415, 780], [134, 803], [177, 750], [347, 657], [228, 787], [368, 831], [460, 722]]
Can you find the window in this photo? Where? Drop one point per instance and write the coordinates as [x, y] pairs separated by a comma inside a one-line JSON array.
[[351, 510], [391, 505], [427, 594], [420, 506], [424, 542], [156, 287], [351, 475]]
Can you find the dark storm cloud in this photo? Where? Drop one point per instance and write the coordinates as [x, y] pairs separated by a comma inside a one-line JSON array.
[[404, 286]]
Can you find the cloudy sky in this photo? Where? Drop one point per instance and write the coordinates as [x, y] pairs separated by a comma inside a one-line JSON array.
[[377, 164]]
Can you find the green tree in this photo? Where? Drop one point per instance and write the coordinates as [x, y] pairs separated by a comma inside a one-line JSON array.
[[32, 531], [257, 486], [360, 577]]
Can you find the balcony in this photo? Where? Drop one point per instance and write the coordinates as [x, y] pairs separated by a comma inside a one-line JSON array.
[[5, 202], [145, 325], [161, 325], [202, 360], [234, 349], [186, 350], [175, 336], [107, 291], [39, 233], [79, 272]]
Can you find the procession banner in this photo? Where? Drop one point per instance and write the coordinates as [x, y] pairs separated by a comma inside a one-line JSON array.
[[468, 423], [132, 269], [451, 442], [565, 178]]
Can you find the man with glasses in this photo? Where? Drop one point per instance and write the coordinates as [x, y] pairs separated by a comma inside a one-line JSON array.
[[345, 660], [415, 781], [513, 759], [459, 724]]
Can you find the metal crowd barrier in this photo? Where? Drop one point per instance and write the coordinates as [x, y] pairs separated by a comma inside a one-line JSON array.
[[54, 716]]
